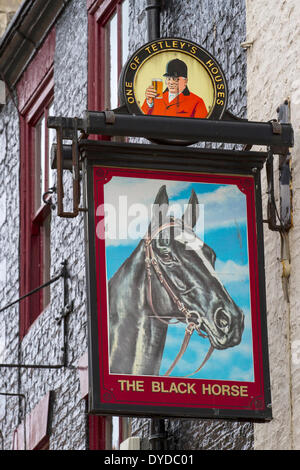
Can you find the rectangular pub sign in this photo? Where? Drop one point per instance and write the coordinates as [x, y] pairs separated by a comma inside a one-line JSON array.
[[176, 295]]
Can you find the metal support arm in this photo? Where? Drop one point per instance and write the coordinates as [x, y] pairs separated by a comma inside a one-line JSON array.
[[160, 129], [198, 130], [280, 219], [63, 131]]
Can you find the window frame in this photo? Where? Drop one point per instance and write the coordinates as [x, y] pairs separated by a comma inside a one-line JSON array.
[[35, 93], [99, 14], [45, 185], [101, 432], [36, 427]]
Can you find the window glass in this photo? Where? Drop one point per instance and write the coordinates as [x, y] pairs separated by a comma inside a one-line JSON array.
[[46, 233], [51, 140], [116, 34], [115, 432], [39, 162], [44, 138], [113, 61]]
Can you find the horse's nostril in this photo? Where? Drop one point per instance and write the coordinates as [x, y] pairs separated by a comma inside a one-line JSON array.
[[222, 319]]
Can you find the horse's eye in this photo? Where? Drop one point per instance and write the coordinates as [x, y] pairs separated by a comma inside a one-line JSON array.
[[167, 257], [164, 241]]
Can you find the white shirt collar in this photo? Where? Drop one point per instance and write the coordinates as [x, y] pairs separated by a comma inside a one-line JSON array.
[[172, 96]]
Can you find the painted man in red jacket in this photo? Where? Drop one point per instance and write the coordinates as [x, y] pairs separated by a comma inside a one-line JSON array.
[[177, 100]]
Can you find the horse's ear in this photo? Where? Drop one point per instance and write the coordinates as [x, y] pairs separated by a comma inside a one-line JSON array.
[[162, 197], [191, 214], [209, 254], [159, 209]]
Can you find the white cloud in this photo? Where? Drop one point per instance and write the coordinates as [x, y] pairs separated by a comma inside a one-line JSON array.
[[242, 375], [140, 190], [230, 271], [221, 195], [224, 207], [132, 199], [220, 362]]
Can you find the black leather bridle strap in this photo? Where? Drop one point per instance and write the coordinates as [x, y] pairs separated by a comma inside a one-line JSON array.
[[150, 261], [187, 336]]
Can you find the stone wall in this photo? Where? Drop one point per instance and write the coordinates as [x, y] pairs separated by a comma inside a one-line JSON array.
[[273, 77], [9, 264]]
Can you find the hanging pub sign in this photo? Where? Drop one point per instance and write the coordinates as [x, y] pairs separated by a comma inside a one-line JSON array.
[[176, 284], [177, 314], [173, 77]]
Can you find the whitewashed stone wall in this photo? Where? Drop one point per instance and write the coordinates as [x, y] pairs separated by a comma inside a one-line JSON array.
[[273, 76], [9, 264]]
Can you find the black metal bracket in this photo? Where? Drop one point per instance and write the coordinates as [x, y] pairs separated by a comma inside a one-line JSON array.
[[48, 200], [68, 131], [171, 130], [280, 220], [229, 130]]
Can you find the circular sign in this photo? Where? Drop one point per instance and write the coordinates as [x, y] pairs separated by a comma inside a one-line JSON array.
[[173, 77]]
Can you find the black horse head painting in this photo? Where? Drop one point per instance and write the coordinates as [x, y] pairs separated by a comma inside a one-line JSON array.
[[169, 277]]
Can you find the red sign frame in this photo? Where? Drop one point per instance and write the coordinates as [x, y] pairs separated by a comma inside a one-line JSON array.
[[127, 394]]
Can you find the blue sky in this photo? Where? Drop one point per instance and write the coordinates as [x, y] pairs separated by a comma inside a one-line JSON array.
[[222, 225]]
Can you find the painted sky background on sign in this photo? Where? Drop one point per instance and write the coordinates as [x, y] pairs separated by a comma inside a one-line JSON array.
[[223, 226]]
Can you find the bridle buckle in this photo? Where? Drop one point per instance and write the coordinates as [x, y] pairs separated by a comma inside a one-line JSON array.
[[190, 328]]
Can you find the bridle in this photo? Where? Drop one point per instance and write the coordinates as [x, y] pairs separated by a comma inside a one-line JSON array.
[[192, 318]]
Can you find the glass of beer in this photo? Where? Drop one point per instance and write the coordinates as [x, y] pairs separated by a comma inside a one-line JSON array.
[[157, 83]]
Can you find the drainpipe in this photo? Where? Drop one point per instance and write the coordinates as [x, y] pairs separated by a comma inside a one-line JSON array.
[[158, 435], [153, 19]]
